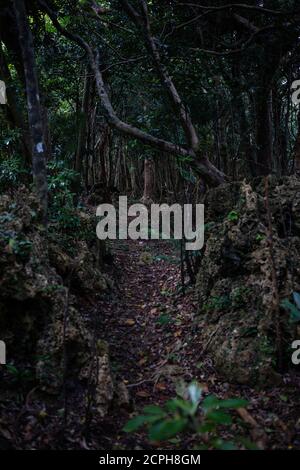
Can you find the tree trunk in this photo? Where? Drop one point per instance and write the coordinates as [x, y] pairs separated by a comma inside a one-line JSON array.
[[47, 135], [148, 181], [264, 132], [15, 113], [80, 151], [246, 148], [35, 118], [280, 144]]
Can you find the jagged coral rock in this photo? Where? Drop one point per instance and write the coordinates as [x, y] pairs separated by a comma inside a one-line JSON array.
[[38, 315], [235, 286]]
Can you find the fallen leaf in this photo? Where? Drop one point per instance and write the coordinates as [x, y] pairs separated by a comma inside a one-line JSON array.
[[160, 386], [143, 394]]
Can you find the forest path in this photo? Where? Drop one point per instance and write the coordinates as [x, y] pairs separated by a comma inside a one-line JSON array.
[[148, 326]]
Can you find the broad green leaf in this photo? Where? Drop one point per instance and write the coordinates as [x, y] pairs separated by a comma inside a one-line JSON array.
[[150, 419], [233, 403], [166, 429], [134, 423], [210, 402], [219, 417], [154, 410], [178, 403]]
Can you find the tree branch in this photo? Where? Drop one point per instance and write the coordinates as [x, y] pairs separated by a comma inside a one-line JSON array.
[[143, 23], [201, 166], [237, 6]]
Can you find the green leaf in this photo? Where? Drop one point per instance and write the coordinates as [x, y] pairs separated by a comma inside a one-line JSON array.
[[12, 369], [224, 445], [150, 419], [219, 417], [233, 216], [207, 427], [248, 444], [134, 423], [283, 398], [294, 312], [178, 403], [233, 403], [154, 410], [210, 402], [167, 429], [164, 319]]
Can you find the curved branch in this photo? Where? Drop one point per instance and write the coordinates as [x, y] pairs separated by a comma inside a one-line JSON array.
[[202, 166], [143, 23]]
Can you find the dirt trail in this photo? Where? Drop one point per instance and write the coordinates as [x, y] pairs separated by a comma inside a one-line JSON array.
[[146, 325]]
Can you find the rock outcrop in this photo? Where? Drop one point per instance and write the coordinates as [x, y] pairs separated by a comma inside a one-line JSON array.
[[43, 276], [243, 274]]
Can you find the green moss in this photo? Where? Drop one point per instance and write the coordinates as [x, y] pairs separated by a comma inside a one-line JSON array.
[[239, 297], [218, 303], [17, 244]]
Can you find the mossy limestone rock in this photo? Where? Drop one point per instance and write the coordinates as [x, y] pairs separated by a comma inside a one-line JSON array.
[[235, 283]]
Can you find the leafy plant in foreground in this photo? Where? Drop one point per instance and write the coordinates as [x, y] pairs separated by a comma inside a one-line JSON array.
[[192, 414]]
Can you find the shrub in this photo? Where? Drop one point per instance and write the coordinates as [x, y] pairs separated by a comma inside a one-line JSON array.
[[189, 413]]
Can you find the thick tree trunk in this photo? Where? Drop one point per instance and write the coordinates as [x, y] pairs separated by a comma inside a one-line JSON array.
[[264, 132], [246, 148], [102, 148], [35, 118], [280, 144], [14, 110]]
